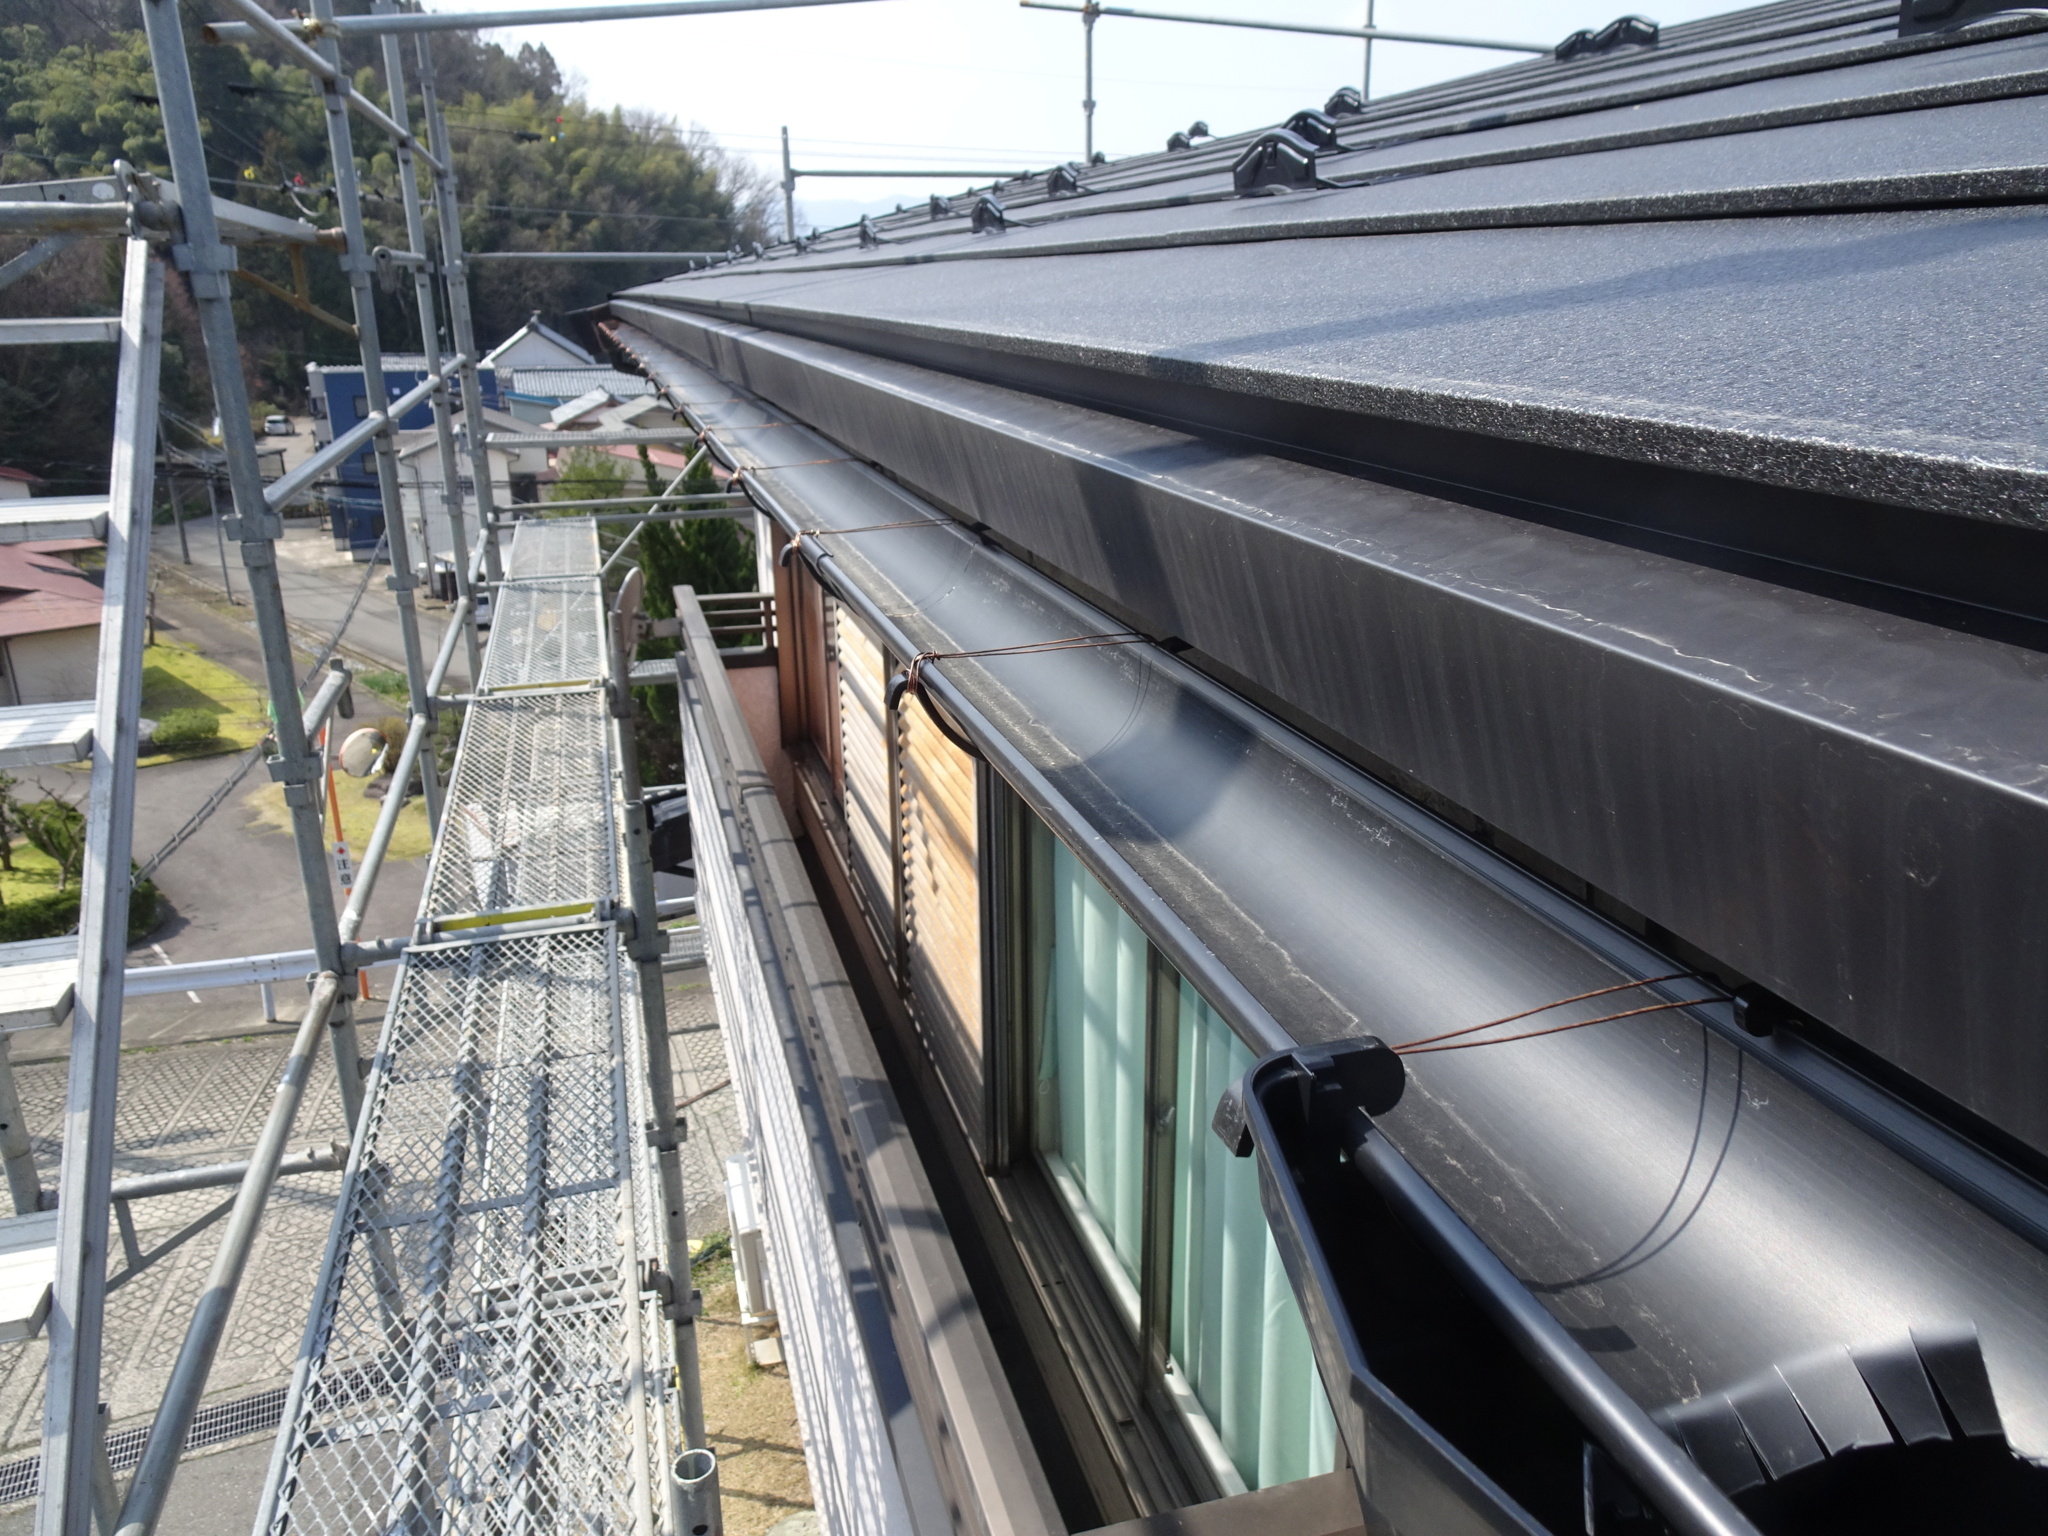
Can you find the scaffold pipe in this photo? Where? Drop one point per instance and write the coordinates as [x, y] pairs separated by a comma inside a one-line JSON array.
[[262, 23], [380, 838], [475, 21], [339, 676], [458, 625]]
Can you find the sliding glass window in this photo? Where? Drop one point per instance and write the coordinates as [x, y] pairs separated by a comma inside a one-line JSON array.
[[1091, 1116], [1123, 1045], [1233, 1326]]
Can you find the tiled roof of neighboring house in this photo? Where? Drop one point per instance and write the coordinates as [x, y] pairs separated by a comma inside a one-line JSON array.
[[583, 405], [420, 439], [394, 362], [569, 383], [40, 592]]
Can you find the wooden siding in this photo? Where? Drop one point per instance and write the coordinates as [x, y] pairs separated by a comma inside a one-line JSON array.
[[866, 799], [941, 907]]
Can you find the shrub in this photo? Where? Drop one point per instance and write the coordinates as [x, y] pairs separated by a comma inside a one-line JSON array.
[[39, 917], [47, 917], [56, 829], [145, 907], [180, 728]]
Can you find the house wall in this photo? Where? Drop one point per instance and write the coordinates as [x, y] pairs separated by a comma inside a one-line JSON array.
[[56, 665], [534, 351], [755, 689]]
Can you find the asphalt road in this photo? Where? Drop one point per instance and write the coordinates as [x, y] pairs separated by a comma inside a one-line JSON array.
[[319, 582], [234, 887]]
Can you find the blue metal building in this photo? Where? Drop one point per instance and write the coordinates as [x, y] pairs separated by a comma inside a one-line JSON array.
[[354, 511]]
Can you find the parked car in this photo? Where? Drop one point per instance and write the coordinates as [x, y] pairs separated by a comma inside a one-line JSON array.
[[278, 426]]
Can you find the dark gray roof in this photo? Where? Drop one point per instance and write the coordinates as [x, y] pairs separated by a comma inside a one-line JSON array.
[[1762, 248], [1638, 462]]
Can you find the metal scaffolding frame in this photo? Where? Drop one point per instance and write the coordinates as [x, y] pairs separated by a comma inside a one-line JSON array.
[[1091, 11], [546, 1298]]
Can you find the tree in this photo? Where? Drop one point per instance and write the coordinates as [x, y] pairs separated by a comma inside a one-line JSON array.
[[710, 554], [8, 828], [538, 168], [588, 474], [56, 829]]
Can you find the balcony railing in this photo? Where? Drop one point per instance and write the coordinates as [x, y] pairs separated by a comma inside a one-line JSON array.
[[740, 622]]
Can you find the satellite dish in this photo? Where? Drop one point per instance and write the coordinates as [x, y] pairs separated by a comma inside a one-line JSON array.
[[360, 751]]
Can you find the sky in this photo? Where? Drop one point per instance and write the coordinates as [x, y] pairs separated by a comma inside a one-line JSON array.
[[989, 87]]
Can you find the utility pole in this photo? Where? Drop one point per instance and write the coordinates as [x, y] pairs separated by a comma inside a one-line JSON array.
[[177, 509], [788, 191]]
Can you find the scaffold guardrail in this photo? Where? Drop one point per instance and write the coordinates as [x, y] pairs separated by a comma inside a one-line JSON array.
[[489, 1347]]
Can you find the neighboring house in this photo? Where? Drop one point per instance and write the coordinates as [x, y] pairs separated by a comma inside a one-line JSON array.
[[518, 474], [535, 393], [49, 628], [598, 412], [535, 345], [354, 510], [71, 551], [17, 484]]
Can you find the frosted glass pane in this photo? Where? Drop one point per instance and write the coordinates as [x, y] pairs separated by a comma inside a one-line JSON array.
[[1094, 1060], [1234, 1328]]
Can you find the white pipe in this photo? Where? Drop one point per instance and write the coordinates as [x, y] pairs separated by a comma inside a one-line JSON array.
[[471, 21], [1284, 26], [237, 971]]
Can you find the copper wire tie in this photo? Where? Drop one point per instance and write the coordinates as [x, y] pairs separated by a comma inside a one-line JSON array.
[[801, 534], [922, 659], [1429, 1044]]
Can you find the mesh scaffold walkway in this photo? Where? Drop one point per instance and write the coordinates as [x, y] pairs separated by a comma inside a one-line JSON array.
[[483, 1353]]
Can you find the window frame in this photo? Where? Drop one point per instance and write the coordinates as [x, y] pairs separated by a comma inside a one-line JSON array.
[[1020, 920]]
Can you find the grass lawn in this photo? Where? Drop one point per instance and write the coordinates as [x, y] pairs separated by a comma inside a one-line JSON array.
[[409, 840], [34, 874], [178, 677], [390, 686]]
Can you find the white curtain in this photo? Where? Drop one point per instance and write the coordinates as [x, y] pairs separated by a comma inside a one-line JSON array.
[[1095, 1052], [1235, 1330]]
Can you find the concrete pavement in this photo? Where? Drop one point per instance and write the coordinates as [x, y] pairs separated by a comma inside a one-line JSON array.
[[319, 583], [234, 887]]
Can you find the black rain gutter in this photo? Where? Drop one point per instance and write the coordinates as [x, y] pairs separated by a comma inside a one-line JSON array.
[[1666, 1476], [1664, 1473], [1336, 900]]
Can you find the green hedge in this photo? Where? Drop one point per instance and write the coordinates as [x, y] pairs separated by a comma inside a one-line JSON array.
[[186, 728], [46, 917]]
